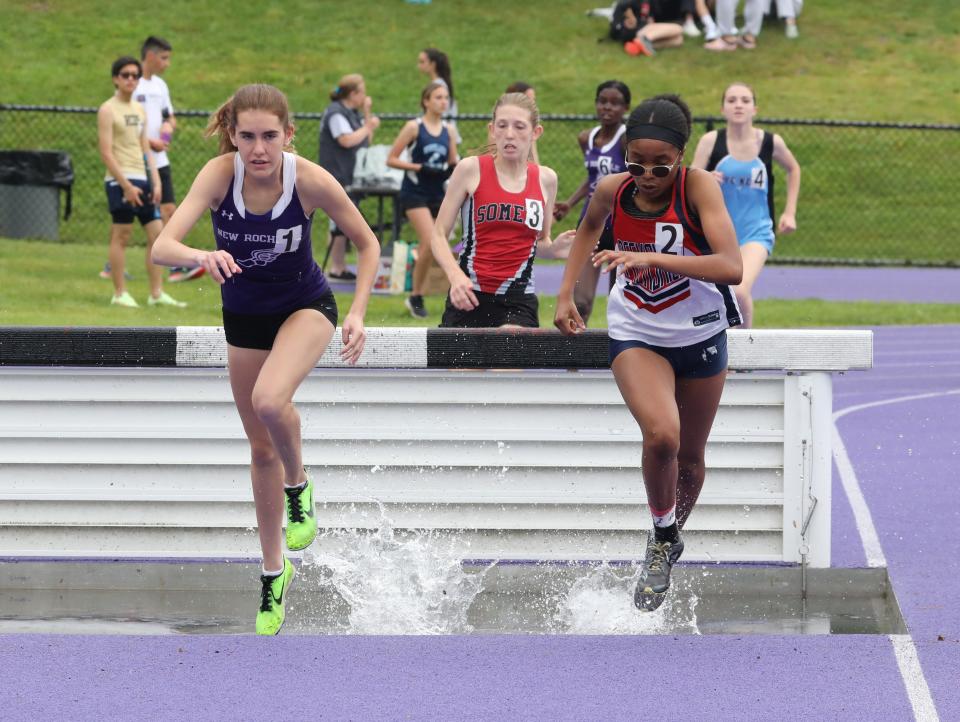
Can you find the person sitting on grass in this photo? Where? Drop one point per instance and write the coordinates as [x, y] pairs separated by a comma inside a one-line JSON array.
[[635, 27]]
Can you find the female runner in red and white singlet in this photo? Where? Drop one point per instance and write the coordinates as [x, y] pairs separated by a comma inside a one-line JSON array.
[[676, 256], [506, 204]]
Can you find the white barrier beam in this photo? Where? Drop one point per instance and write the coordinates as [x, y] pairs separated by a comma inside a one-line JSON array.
[[204, 346], [147, 458]]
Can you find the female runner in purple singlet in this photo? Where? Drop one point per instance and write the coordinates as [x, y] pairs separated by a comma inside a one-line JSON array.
[[279, 314]]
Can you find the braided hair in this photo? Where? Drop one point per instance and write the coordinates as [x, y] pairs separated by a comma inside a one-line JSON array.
[[665, 117]]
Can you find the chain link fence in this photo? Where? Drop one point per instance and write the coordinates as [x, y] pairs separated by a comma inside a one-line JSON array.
[[872, 193]]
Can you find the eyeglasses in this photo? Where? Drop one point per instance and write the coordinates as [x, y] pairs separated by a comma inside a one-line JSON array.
[[658, 171], [128, 76]]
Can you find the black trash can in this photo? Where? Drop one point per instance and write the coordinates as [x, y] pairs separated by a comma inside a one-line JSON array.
[[30, 185]]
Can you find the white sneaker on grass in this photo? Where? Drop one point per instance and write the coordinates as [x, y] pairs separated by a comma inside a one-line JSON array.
[[710, 29], [690, 29]]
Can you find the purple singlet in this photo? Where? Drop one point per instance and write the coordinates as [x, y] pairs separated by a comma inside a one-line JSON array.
[[602, 162], [273, 249]]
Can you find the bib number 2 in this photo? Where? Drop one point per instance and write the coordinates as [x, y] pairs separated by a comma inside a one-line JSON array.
[[670, 238]]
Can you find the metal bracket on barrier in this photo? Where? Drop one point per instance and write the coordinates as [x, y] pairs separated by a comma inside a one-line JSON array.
[[806, 480]]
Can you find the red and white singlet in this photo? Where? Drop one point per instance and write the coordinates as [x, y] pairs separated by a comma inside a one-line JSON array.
[[656, 306], [500, 232]]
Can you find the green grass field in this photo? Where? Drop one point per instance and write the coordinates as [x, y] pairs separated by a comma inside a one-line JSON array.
[[863, 189], [867, 193], [44, 284], [884, 60]]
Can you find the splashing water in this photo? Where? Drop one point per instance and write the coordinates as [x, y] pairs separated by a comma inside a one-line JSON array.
[[414, 582], [399, 584], [601, 602]]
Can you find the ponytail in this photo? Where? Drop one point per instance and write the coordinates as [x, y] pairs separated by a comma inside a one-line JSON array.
[[221, 123], [442, 64], [347, 84]]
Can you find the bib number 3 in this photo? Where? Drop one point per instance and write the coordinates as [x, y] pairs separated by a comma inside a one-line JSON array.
[[534, 214]]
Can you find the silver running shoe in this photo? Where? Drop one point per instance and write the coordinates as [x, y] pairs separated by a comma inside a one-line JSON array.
[[655, 578]]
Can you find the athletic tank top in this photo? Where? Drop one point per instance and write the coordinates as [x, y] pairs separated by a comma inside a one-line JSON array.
[[273, 249], [433, 152], [653, 305], [747, 188], [128, 121], [500, 232], [602, 162]]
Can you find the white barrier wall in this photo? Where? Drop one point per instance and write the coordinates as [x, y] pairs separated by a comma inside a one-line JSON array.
[[522, 464]]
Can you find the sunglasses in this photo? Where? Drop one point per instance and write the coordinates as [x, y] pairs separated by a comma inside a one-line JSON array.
[[128, 76], [657, 171]]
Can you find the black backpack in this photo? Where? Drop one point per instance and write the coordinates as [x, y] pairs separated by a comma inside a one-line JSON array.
[[617, 30]]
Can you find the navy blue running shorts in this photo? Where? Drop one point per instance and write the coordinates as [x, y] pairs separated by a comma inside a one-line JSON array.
[[699, 361], [409, 201], [122, 212]]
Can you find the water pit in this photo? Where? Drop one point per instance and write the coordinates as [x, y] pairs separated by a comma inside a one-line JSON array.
[[386, 584]]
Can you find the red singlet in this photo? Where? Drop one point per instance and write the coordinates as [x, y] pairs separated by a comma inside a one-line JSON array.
[[500, 232]]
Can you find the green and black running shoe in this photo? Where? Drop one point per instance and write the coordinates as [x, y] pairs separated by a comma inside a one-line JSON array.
[[273, 598], [301, 518], [655, 578]]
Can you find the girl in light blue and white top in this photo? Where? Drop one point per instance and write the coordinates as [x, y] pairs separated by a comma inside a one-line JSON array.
[[741, 157]]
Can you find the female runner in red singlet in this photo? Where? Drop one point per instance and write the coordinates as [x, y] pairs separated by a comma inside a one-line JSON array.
[[506, 203]]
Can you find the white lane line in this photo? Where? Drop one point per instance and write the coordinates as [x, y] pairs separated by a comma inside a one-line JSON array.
[[940, 377], [950, 350], [861, 512], [904, 649], [914, 397], [920, 364], [924, 710]]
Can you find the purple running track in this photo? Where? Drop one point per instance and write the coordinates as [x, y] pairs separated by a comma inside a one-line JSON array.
[[904, 454], [442, 678]]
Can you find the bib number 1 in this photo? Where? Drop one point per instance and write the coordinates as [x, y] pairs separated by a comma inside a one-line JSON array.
[[288, 239]]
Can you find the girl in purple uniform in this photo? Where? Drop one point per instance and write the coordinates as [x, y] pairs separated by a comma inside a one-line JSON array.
[[279, 314], [603, 147]]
